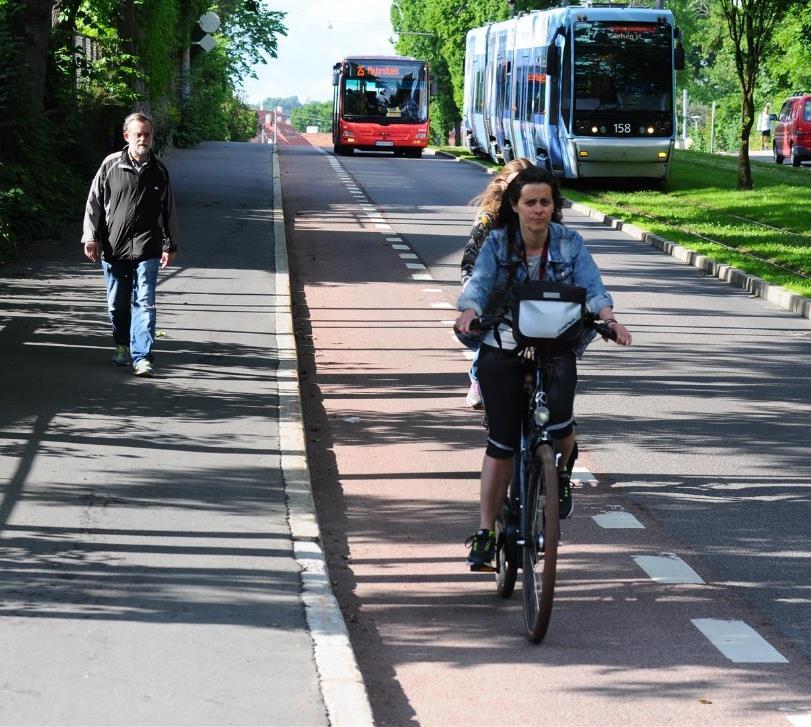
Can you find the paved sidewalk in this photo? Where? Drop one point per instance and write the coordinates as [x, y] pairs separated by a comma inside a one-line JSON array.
[[148, 568]]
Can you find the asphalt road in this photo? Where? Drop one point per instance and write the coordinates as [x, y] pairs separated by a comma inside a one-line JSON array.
[[147, 572], [697, 434]]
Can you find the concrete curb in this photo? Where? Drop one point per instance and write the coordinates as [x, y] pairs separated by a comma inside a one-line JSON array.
[[342, 687], [774, 294]]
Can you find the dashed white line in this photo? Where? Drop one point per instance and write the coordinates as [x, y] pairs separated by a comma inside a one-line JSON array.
[[667, 568], [415, 266], [617, 519], [422, 276], [400, 247], [739, 642], [408, 256]]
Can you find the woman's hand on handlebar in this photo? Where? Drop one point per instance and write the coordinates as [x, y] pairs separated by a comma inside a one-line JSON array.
[[622, 336], [464, 320]]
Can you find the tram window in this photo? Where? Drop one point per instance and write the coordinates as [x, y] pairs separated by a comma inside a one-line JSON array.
[[478, 91]]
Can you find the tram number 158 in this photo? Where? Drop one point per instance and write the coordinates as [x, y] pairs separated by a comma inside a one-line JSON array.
[[622, 128]]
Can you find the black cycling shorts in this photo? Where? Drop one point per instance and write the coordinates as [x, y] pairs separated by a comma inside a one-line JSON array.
[[501, 379]]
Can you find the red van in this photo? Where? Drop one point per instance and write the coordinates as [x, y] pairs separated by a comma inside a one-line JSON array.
[[792, 135]]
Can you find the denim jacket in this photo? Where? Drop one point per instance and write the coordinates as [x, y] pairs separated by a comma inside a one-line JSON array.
[[490, 289]]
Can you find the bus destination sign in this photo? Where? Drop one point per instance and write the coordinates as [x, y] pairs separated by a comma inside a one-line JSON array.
[[361, 71]]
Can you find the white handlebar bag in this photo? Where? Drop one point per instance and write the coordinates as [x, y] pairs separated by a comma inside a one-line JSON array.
[[549, 314]]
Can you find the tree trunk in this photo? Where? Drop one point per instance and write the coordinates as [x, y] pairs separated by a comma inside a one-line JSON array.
[[747, 119], [33, 28]]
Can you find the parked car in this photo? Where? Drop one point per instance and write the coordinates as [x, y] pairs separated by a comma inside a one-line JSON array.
[[792, 135]]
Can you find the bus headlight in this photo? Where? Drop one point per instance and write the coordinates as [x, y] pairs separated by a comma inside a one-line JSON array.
[[662, 155]]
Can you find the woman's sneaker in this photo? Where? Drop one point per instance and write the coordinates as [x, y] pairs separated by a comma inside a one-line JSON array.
[[565, 495], [121, 357], [474, 396], [482, 546]]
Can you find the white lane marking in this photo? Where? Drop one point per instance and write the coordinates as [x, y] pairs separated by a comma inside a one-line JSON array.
[[667, 568], [415, 266], [583, 475], [422, 276], [394, 239], [408, 256], [441, 305], [738, 641], [382, 226], [800, 720], [617, 519], [400, 247]]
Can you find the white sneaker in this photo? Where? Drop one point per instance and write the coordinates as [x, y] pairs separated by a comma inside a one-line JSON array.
[[144, 368], [474, 396]]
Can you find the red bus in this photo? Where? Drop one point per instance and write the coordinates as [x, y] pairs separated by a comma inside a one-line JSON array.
[[380, 103]]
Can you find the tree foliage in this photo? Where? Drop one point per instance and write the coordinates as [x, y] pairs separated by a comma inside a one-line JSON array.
[[317, 113], [435, 30], [74, 68]]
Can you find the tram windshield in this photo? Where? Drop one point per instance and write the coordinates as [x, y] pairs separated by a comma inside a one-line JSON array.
[[622, 67]]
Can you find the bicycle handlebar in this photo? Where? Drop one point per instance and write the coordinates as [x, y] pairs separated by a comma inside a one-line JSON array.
[[592, 321]]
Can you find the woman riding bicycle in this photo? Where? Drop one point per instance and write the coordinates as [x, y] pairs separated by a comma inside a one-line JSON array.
[[525, 245]]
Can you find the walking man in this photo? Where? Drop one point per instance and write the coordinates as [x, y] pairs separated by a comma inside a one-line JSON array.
[[130, 225]]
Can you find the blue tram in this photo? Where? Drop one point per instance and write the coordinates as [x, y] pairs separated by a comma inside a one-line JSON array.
[[586, 91]]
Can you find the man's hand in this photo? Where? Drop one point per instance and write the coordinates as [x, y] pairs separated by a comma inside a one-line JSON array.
[[167, 258], [91, 251]]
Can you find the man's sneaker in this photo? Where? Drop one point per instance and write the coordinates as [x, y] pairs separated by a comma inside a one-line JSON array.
[[565, 493], [482, 549], [121, 357], [144, 368], [474, 396]]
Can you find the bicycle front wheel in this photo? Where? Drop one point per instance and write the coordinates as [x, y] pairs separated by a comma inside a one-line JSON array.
[[541, 548]]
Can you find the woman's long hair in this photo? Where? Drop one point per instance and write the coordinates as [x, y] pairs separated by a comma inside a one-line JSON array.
[[490, 199], [506, 216]]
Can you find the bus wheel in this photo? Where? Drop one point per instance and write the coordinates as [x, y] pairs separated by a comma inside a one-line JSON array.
[[414, 153], [399, 152], [342, 150]]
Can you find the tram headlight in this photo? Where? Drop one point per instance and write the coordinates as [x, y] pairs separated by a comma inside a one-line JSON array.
[[594, 129], [650, 129], [541, 415]]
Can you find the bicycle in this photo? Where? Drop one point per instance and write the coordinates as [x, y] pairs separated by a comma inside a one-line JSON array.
[[527, 530]]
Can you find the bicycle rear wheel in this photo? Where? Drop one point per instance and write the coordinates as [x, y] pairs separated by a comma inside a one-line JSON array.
[[541, 548]]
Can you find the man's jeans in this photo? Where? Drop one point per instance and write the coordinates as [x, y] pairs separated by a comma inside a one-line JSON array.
[[131, 304]]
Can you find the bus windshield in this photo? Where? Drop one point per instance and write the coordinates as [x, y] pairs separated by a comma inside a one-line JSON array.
[[393, 91], [623, 66]]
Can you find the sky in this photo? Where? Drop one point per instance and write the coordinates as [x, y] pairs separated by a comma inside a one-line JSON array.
[[319, 34]]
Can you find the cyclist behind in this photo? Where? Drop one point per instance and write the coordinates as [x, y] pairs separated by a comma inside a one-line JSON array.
[[525, 244], [488, 203]]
